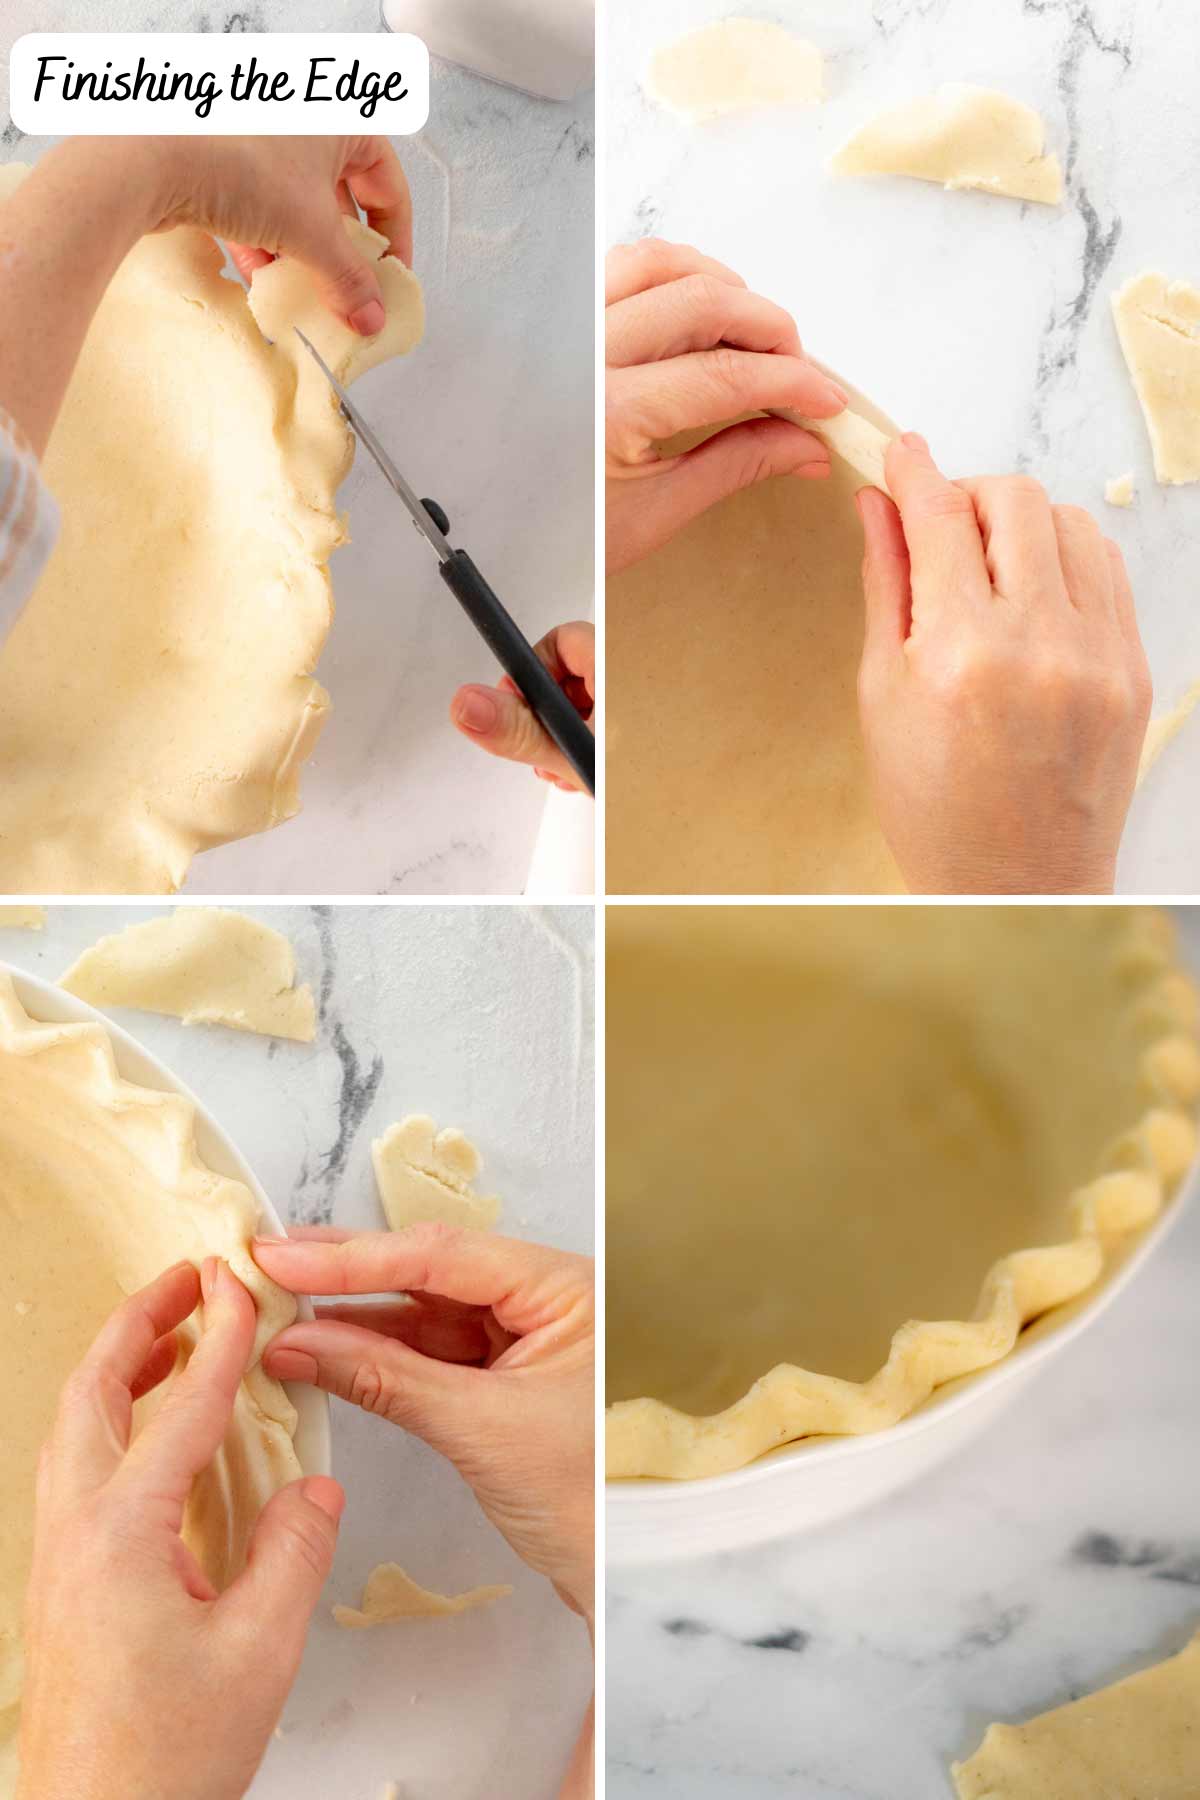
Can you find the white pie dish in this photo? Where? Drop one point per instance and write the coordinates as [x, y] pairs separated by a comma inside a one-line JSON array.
[[50, 1005], [818, 1480]]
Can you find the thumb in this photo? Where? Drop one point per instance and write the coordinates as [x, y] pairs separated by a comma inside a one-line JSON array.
[[502, 724], [378, 1373], [291, 1554], [736, 458], [887, 578], [345, 279]]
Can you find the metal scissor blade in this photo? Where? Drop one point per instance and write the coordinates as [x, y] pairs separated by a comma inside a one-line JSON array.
[[417, 511]]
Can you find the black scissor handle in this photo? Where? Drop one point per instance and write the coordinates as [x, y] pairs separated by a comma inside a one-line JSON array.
[[517, 658]]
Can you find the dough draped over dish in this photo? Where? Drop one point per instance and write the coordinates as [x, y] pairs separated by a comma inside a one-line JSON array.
[[157, 693], [423, 1173], [962, 137], [1158, 323], [734, 66], [391, 1596], [201, 964], [101, 1189], [853, 1152]]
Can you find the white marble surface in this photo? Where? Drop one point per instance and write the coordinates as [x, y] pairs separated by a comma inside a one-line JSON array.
[[983, 323], [855, 1663], [481, 1016], [493, 416]]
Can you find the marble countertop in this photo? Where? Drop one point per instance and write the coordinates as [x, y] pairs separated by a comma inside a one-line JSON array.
[[979, 321], [493, 415], [481, 1016], [1053, 1555]]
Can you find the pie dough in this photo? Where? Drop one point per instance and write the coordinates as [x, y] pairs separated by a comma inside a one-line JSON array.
[[734, 66], [390, 1596], [745, 773], [858, 441], [825, 1121], [1158, 323], [423, 1173], [156, 695], [1164, 729], [1139, 1737], [203, 965], [1119, 491], [101, 1189], [963, 137], [23, 918]]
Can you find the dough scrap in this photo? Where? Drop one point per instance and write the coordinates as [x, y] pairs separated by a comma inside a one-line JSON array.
[[734, 66], [391, 1596], [963, 137], [772, 796], [156, 694], [1158, 323], [858, 441], [101, 1188], [423, 1173], [203, 965], [847, 1161], [23, 918], [1164, 729], [1140, 1736], [1119, 491]]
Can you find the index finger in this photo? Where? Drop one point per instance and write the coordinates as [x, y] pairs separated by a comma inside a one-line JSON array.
[[941, 530], [630, 269], [377, 180], [95, 1411], [524, 1284], [190, 1426]]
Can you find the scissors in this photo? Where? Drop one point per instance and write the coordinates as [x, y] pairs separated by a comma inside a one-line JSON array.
[[503, 637]]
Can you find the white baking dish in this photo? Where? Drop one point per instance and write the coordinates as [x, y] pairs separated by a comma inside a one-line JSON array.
[[52, 1006], [821, 1479]]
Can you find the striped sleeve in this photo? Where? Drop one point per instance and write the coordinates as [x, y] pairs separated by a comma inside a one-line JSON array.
[[28, 522]]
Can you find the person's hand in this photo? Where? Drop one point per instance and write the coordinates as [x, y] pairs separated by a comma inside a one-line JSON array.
[[141, 1680], [278, 196], [689, 347], [499, 721], [68, 227], [1004, 690], [490, 1358]]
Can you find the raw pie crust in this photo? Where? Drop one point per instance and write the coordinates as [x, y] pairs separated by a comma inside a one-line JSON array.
[[204, 965], [823, 1121], [745, 773], [101, 1189], [734, 66], [962, 137], [391, 1596], [423, 1173], [156, 695]]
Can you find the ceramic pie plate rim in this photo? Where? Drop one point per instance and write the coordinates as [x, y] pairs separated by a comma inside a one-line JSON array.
[[47, 1004], [644, 1503]]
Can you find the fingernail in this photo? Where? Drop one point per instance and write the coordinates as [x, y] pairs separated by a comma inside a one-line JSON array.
[[476, 711], [208, 1277], [914, 441], [326, 1493], [369, 320], [839, 394], [290, 1365], [272, 1243]]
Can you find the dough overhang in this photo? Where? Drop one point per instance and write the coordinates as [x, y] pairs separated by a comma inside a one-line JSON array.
[[735, 65], [423, 1173], [101, 1188], [825, 1122], [156, 693]]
